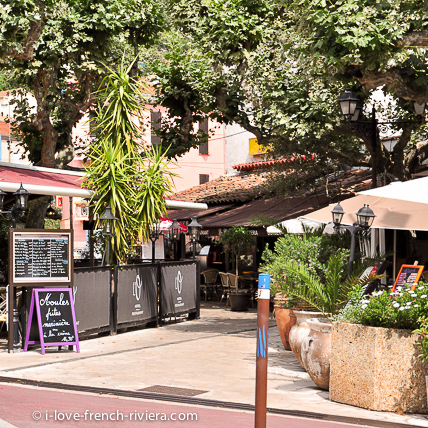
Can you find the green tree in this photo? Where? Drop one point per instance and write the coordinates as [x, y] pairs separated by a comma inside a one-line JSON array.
[[278, 67], [238, 240], [125, 174], [54, 50]]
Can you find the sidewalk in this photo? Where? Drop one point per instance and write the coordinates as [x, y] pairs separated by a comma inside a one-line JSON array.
[[212, 359]]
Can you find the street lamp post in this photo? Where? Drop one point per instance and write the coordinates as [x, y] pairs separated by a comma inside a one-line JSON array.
[[16, 212], [351, 107], [365, 217], [108, 220], [154, 236], [194, 233], [174, 235]]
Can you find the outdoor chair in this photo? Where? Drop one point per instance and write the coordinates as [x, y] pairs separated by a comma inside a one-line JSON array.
[[224, 278], [210, 282]]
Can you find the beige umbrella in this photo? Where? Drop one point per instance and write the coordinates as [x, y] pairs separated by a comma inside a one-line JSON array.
[[390, 213]]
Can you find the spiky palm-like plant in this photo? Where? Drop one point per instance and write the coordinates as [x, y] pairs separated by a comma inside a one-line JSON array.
[[130, 177], [326, 292]]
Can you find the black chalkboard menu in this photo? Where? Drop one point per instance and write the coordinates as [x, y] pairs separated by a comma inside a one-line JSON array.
[[53, 309], [42, 256]]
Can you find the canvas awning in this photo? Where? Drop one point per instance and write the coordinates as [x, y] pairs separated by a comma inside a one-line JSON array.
[[390, 213], [50, 181], [186, 215], [409, 191], [277, 209]]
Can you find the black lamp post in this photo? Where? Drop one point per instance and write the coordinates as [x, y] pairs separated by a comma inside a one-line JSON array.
[[154, 234], [16, 212], [365, 217], [18, 209], [194, 233], [174, 235], [351, 107], [108, 220]]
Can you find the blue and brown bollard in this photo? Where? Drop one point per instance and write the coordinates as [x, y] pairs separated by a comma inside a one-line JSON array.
[[262, 349]]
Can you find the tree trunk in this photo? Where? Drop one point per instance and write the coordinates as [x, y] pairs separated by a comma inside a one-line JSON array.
[[37, 212]]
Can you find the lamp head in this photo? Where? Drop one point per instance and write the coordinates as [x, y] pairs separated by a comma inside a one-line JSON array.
[[194, 229], [21, 198], [349, 104], [337, 214], [365, 217], [154, 231], [174, 231], [108, 220]]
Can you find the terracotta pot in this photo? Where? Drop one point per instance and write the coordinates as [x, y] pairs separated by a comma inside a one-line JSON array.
[[285, 320], [300, 330], [316, 351]]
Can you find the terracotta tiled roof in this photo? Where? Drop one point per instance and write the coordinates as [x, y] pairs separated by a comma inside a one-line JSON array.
[[235, 188], [5, 132], [4, 129], [249, 186], [270, 163]]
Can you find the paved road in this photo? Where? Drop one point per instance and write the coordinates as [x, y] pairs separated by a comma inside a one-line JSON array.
[[30, 407]]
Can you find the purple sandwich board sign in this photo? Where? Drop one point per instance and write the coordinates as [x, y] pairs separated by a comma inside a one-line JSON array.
[[56, 318]]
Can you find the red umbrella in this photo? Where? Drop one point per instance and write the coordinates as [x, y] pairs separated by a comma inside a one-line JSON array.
[[165, 223]]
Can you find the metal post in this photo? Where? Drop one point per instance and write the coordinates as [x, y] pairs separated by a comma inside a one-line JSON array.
[[194, 249], [352, 255], [153, 251], [374, 135], [16, 335], [262, 349], [70, 199], [108, 251]]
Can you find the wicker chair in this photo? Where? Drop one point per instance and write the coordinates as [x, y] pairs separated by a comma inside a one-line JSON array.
[[210, 282], [224, 278]]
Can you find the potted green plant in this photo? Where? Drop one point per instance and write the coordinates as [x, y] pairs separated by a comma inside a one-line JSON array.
[[322, 287], [237, 240], [310, 250], [377, 342]]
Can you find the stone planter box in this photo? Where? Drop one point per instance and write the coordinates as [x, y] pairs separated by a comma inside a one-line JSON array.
[[377, 369]]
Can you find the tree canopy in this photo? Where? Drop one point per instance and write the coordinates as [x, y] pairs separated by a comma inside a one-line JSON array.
[[56, 51], [277, 68]]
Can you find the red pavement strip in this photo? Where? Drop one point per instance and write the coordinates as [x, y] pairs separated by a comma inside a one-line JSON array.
[[28, 407]]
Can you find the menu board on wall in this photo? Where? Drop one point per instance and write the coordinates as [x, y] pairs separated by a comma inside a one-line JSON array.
[[408, 276], [42, 256]]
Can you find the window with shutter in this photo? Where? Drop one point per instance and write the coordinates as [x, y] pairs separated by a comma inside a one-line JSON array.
[[204, 178]]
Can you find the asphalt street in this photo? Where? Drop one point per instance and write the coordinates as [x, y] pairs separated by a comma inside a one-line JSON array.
[[30, 407]]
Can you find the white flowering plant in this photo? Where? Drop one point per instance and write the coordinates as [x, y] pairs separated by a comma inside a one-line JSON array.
[[402, 308]]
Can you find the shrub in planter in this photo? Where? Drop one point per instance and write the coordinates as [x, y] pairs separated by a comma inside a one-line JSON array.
[[375, 356], [325, 291]]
